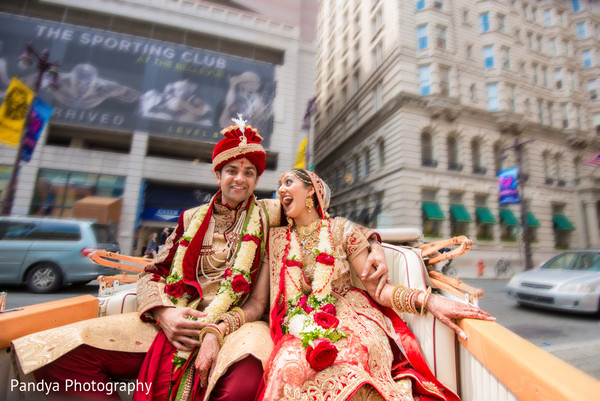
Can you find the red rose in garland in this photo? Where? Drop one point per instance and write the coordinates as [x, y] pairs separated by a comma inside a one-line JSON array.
[[326, 320], [322, 355], [239, 283], [175, 289], [329, 308], [325, 258]]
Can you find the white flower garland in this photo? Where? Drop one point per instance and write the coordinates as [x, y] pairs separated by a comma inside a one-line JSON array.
[[244, 259], [300, 315]]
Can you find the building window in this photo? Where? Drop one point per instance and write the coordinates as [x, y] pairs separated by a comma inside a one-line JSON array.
[[478, 167], [57, 190], [465, 18], [586, 57], [432, 214], [459, 216], [473, 92], [536, 79], [558, 168], [377, 55], [505, 57], [419, 5], [425, 80], [469, 52], [548, 180], [512, 98], [484, 21], [501, 23], [558, 78], [422, 41], [540, 103], [581, 30], [508, 225], [492, 93], [551, 114], [377, 23], [488, 57], [498, 157], [377, 97], [444, 81], [597, 123], [561, 226], [355, 83], [440, 33], [576, 5], [452, 147], [552, 47], [484, 219], [565, 115], [438, 4], [545, 77], [592, 90], [427, 150], [380, 154], [366, 163], [548, 17]]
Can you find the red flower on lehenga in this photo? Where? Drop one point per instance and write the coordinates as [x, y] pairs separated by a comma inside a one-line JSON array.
[[322, 354]]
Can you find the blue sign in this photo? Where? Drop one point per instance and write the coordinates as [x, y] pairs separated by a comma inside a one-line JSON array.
[[161, 214], [508, 186]]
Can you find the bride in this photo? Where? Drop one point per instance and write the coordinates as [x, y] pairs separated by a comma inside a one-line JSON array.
[[332, 340]]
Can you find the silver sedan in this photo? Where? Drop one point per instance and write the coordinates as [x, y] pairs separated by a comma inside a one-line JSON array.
[[570, 281]]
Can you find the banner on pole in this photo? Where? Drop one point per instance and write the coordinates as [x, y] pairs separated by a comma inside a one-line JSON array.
[[508, 186], [38, 117], [13, 112]]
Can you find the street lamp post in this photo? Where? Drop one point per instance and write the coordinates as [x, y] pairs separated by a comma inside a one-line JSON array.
[[44, 66], [517, 146]]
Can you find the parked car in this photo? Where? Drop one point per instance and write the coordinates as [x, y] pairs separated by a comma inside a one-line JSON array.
[[570, 281], [48, 253]]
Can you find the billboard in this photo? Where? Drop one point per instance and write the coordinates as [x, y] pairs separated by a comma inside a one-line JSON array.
[[122, 82]]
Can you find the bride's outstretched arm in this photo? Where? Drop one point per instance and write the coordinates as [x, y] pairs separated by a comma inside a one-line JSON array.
[[444, 309]]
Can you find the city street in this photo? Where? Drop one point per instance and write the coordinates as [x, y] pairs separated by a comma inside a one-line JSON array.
[[570, 337], [573, 338]]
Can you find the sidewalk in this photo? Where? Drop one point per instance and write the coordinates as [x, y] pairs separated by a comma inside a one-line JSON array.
[[469, 271]]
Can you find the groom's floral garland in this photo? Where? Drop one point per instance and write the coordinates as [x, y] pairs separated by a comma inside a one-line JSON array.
[[236, 279], [312, 319]]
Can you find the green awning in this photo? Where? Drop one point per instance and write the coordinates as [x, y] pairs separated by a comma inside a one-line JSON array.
[[532, 221], [508, 217], [460, 213], [562, 223], [433, 211], [485, 216]]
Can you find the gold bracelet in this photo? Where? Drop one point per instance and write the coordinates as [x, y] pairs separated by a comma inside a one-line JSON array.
[[427, 294], [211, 328], [240, 314]]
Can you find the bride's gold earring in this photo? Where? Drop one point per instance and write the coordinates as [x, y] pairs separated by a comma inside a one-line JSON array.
[[309, 203]]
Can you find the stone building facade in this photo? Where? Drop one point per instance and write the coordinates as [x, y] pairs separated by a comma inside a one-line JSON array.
[[420, 106]]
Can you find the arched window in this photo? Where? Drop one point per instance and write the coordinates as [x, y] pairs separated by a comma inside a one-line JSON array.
[[452, 146], [478, 167], [427, 150], [498, 157], [380, 154]]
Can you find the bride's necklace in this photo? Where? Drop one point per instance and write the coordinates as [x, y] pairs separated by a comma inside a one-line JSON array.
[[308, 235]]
